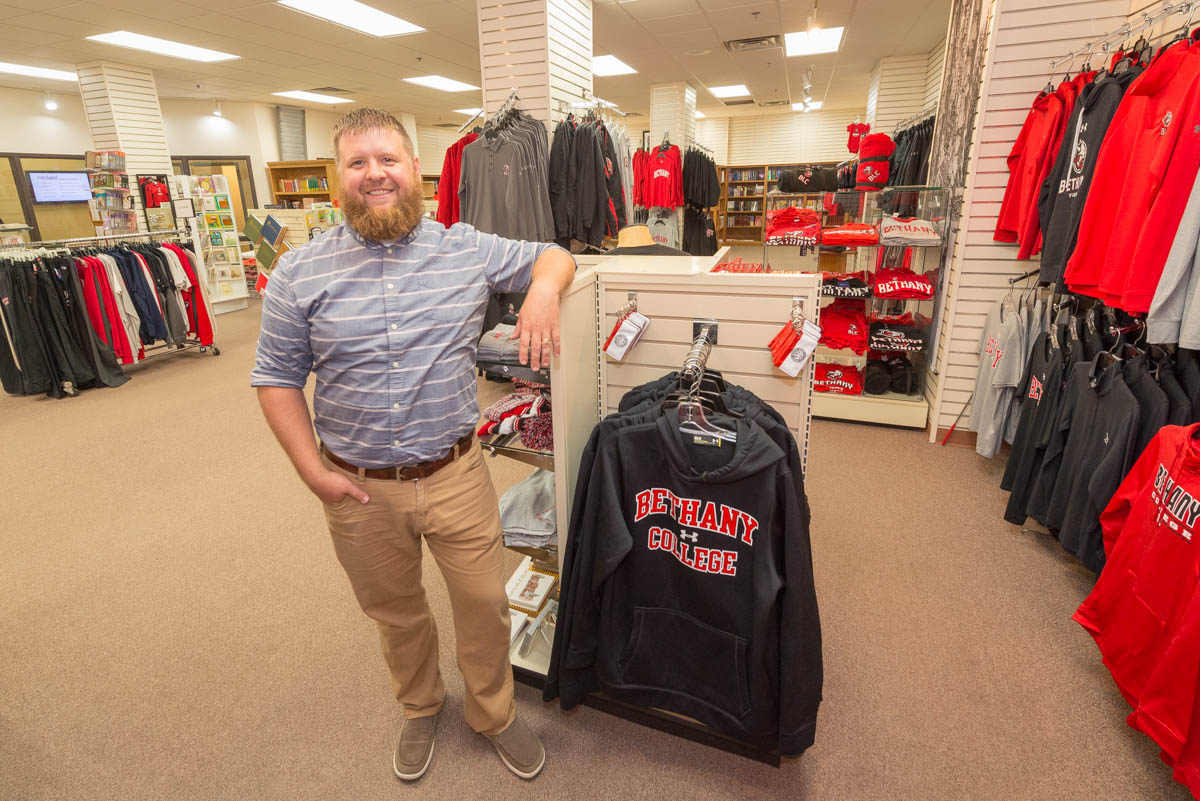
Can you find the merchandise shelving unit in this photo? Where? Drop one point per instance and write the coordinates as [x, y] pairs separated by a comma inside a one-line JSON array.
[[324, 171], [852, 206], [111, 206], [217, 237], [673, 292], [744, 189]]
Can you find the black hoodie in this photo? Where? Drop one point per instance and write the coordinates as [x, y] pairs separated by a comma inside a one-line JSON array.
[[691, 584], [1062, 195]]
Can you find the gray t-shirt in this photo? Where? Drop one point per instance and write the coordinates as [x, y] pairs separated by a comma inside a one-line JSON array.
[[1000, 360], [664, 227]]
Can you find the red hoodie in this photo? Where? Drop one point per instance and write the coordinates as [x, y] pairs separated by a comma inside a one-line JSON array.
[[1144, 611], [1132, 164]]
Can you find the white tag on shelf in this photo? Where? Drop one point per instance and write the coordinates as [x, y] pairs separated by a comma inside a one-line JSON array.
[[801, 351], [628, 333]]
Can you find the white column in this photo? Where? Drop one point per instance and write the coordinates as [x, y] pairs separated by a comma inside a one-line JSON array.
[[541, 48], [123, 113], [673, 113]]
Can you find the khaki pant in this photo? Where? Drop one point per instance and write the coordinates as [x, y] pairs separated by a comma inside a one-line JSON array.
[[379, 545]]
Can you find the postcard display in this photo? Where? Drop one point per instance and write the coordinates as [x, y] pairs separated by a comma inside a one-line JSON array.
[[217, 239], [677, 294]]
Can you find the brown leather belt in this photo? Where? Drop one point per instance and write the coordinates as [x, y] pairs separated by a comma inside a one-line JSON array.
[[422, 470]]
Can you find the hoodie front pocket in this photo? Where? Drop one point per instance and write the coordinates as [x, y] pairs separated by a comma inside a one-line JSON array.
[[673, 651]]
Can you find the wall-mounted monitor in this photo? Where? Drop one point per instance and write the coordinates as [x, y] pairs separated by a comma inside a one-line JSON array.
[[60, 186]]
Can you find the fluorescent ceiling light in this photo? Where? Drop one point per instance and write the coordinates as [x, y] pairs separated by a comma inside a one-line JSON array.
[[700, 115], [444, 84], [161, 47], [605, 66], [37, 72], [313, 97], [470, 112], [804, 43], [736, 90], [813, 105], [354, 15]]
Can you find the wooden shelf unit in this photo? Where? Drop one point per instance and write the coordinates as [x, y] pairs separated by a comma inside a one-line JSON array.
[[765, 175], [293, 170]]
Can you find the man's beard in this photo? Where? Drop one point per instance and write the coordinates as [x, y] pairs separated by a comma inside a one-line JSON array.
[[386, 223]]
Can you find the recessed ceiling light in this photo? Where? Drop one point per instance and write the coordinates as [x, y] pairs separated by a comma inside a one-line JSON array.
[[813, 105], [470, 112], [820, 40], [161, 47], [313, 97], [354, 15], [444, 84], [605, 66], [735, 90], [37, 72], [700, 115], [697, 51]]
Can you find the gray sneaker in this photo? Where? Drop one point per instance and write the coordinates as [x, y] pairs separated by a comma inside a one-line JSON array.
[[414, 751], [520, 749]]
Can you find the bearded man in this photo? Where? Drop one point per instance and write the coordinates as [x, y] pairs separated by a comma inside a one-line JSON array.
[[386, 309]]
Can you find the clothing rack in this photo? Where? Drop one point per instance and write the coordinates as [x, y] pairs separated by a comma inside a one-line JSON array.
[[79, 240], [1019, 278], [1148, 21], [915, 119], [150, 351]]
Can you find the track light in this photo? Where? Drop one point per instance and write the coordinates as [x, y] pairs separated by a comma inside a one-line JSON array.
[[49, 102], [217, 112]]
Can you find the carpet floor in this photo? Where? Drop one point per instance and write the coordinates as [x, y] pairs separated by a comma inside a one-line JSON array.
[[174, 624]]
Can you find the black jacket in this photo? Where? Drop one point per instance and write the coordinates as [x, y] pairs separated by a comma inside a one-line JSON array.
[[704, 606], [1062, 195]]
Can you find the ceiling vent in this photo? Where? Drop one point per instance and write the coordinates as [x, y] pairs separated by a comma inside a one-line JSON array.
[[753, 44], [329, 90], [770, 103], [747, 101]]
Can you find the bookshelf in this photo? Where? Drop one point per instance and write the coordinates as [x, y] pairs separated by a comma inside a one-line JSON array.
[[741, 210], [292, 182]]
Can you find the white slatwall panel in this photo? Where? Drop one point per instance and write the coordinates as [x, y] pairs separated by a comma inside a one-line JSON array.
[[569, 25], [793, 138], [714, 134], [433, 143], [123, 113], [512, 54], [873, 96], [1023, 37], [933, 77], [900, 91], [121, 103], [673, 113]]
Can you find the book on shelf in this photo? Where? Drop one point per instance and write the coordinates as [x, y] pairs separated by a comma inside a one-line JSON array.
[[311, 184]]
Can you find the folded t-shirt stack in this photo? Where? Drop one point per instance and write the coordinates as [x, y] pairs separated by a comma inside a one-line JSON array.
[[507, 415], [527, 512], [897, 282], [845, 285], [851, 235], [897, 332], [844, 379], [793, 226], [844, 325], [908, 231], [498, 346]]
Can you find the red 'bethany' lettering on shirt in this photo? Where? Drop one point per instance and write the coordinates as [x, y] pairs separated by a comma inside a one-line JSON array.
[[696, 513]]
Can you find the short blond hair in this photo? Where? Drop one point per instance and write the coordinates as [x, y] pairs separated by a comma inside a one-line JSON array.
[[369, 119]]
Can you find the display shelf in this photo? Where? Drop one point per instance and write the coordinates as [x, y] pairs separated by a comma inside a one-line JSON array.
[[909, 411], [508, 370], [319, 169], [767, 176]]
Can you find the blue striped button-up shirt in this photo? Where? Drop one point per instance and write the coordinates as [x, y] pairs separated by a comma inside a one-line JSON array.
[[391, 332]]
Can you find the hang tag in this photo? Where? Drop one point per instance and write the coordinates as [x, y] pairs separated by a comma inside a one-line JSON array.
[[801, 353], [627, 334]]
